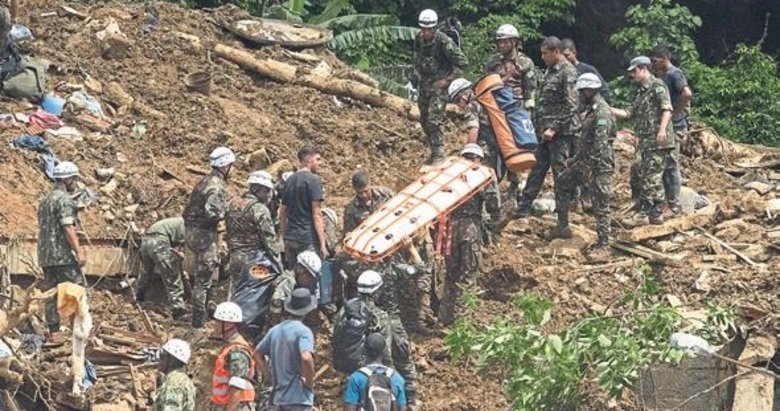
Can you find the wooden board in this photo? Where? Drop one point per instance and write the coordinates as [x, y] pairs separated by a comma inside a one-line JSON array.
[[440, 190], [104, 257]]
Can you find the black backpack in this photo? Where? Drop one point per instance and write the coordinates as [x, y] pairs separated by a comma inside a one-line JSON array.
[[452, 27], [349, 335], [379, 389]]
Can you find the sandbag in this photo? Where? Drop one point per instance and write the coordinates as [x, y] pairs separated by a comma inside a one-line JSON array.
[[29, 83], [510, 122], [349, 335], [252, 291]]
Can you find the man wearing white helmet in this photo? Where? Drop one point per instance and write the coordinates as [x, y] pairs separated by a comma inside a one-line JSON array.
[[206, 208], [60, 253], [305, 274], [464, 232], [515, 68], [250, 228], [161, 254], [593, 164], [234, 368], [438, 61], [177, 392]]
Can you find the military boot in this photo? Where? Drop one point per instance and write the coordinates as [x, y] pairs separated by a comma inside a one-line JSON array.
[[600, 252], [559, 232], [637, 220], [523, 210], [437, 155], [198, 319]]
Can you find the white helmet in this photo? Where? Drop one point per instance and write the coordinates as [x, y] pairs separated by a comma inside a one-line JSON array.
[[507, 31], [369, 282], [65, 169], [588, 80], [457, 86], [428, 18], [311, 261], [179, 349], [221, 157], [472, 148], [229, 312], [262, 178]]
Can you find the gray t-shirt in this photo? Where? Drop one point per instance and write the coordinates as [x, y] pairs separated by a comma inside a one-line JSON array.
[[284, 344], [676, 82], [300, 191]]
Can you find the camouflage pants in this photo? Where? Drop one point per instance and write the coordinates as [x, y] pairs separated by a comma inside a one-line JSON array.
[[158, 258], [597, 183], [432, 104], [671, 178], [237, 260], [401, 351], [462, 263], [202, 245], [549, 154], [52, 276], [651, 190], [415, 300]]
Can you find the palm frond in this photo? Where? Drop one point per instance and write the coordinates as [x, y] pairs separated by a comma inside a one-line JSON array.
[[353, 38], [332, 9], [282, 13], [392, 86], [297, 7], [357, 21]]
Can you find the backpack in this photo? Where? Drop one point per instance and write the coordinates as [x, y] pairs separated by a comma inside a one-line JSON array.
[[29, 82], [452, 27], [349, 334], [379, 390]]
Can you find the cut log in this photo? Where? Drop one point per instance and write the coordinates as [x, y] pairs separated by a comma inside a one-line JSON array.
[[720, 258], [286, 73], [698, 218]]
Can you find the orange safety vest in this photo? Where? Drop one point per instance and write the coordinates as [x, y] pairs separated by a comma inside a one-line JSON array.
[[221, 377]]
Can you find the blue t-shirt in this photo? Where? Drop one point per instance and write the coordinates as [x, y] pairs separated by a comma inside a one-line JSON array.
[[284, 344], [357, 384]]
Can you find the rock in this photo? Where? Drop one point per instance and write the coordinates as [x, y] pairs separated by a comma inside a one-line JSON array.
[[93, 85], [116, 47], [759, 187], [132, 208], [116, 95], [109, 187], [580, 281], [121, 158], [259, 159], [673, 300], [703, 282]]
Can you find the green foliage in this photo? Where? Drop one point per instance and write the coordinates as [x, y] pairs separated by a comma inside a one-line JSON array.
[[469, 299], [545, 371], [660, 22]]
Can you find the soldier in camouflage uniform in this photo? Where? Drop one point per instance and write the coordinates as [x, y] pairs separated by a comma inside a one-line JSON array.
[[206, 208], [60, 253], [367, 199], [177, 392], [303, 275], [652, 114], [593, 162], [556, 117], [234, 368], [250, 228], [438, 61], [464, 233], [161, 254]]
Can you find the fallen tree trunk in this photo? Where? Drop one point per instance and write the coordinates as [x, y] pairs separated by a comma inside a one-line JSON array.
[[286, 73]]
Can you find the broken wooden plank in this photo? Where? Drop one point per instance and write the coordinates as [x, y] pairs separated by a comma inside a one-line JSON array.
[[697, 218], [728, 247], [140, 337], [647, 253]]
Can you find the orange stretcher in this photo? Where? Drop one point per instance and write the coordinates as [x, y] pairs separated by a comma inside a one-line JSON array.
[[439, 191]]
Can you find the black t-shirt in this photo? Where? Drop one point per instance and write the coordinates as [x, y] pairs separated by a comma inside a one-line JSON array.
[[300, 191]]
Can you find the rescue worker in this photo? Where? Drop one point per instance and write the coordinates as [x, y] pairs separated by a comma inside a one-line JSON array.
[[60, 254], [358, 394], [593, 163], [571, 54], [652, 115], [206, 209], [367, 199], [234, 369], [250, 228], [464, 233], [438, 61], [161, 254], [304, 274], [556, 118], [177, 392]]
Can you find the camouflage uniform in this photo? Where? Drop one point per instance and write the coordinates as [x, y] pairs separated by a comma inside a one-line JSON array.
[[557, 110], [435, 60], [177, 393], [517, 71], [250, 230], [357, 210], [238, 363], [55, 212], [650, 101], [593, 162], [206, 208], [158, 257], [464, 257]]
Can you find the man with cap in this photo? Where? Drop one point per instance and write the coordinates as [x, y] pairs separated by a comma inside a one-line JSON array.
[[60, 254], [367, 199], [357, 393], [463, 232], [593, 163], [206, 209], [305, 274], [234, 368], [161, 254], [515, 68], [300, 216], [250, 228], [286, 356], [177, 392], [438, 61], [652, 115]]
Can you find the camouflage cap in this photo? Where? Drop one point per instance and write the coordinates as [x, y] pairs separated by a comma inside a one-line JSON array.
[[638, 61]]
